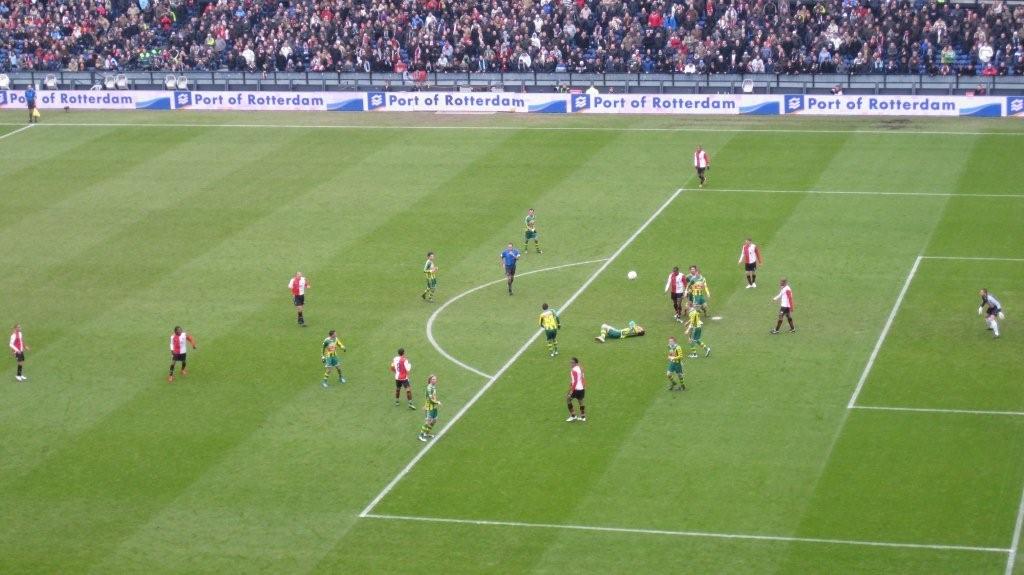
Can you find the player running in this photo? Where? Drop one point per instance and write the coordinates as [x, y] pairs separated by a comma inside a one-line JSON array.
[[430, 270], [675, 287], [993, 313], [699, 292], [694, 328], [401, 367], [786, 305], [430, 409], [508, 259], [18, 348], [329, 357], [675, 366], [530, 233], [298, 286], [577, 391], [180, 340], [609, 332], [701, 162], [750, 257], [550, 322]]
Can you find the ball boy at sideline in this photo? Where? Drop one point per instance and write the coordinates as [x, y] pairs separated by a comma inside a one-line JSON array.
[[609, 332], [329, 357], [676, 288], [401, 367], [675, 366], [750, 257], [298, 286], [993, 311], [550, 323], [508, 259], [430, 271], [430, 410], [577, 391], [18, 348], [180, 340], [530, 233], [695, 328], [786, 305]]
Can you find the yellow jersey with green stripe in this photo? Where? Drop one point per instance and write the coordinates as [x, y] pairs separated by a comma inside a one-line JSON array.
[[675, 353], [694, 318], [548, 320], [432, 402], [430, 269]]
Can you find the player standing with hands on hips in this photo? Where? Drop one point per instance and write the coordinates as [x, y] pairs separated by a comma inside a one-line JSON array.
[[786, 305], [18, 348], [577, 390], [750, 257], [701, 162]]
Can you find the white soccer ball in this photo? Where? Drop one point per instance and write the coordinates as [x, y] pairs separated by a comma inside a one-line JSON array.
[[631, 275]]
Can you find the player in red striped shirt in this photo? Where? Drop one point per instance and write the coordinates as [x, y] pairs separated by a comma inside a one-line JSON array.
[[298, 286], [750, 257], [786, 305], [179, 347], [18, 348], [401, 367], [701, 162], [577, 390]]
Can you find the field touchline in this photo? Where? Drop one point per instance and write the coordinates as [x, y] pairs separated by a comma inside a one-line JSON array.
[[437, 312], [861, 193], [19, 130], [490, 382]]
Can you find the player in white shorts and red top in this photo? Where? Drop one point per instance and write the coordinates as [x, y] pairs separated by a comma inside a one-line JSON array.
[[675, 287], [401, 367], [786, 305], [179, 347], [750, 257], [18, 348], [577, 390], [701, 162], [298, 286]]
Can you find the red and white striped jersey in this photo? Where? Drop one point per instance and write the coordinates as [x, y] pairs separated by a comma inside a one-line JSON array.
[[701, 159], [576, 380], [750, 254], [401, 366], [17, 342], [179, 342], [676, 283], [298, 285], [785, 297]]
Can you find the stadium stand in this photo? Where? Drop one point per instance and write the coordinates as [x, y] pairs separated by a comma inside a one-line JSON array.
[[579, 36]]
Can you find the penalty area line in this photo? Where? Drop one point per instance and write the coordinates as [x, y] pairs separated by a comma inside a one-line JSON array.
[[441, 308], [938, 410], [694, 534], [859, 193], [18, 131], [1011, 561], [501, 371]]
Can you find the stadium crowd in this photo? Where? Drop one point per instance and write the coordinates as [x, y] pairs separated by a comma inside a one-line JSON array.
[[689, 36]]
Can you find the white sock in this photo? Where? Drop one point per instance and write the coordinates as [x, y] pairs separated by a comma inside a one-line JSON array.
[[995, 326]]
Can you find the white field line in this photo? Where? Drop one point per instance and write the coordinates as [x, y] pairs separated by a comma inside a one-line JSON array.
[[885, 332], [710, 128], [437, 312], [858, 193], [979, 259], [1012, 559], [938, 410], [9, 134], [490, 382], [695, 534]]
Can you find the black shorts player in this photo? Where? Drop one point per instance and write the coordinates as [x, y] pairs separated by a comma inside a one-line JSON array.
[[299, 300], [400, 383], [750, 267], [578, 394]]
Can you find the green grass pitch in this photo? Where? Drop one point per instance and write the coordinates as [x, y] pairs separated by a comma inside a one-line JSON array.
[[117, 226]]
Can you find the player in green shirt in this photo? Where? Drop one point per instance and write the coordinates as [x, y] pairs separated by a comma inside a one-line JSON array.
[[329, 357], [531, 232], [675, 366], [430, 270], [609, 332], [698, 291], [694, 328], [551, 324], [430, 407]]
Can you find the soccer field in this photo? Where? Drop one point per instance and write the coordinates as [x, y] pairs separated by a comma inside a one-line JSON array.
[[885, 436]]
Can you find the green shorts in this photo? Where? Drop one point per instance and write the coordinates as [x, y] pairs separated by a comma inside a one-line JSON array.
[[432, 413], [551, 334], [332, 362], [614, 334], [530, 235], [696, 334], [674, 367], [431, 283], [699, 300]]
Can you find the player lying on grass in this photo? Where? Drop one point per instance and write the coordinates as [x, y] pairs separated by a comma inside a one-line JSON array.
[[993, 311], [609, 332]]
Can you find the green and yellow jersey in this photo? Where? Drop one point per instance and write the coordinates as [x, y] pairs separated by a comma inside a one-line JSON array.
[[693, 318], [431, 396], [549, 320], [331, 347], [698, 285], [675, 353], [531, 223], [430, 269]]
